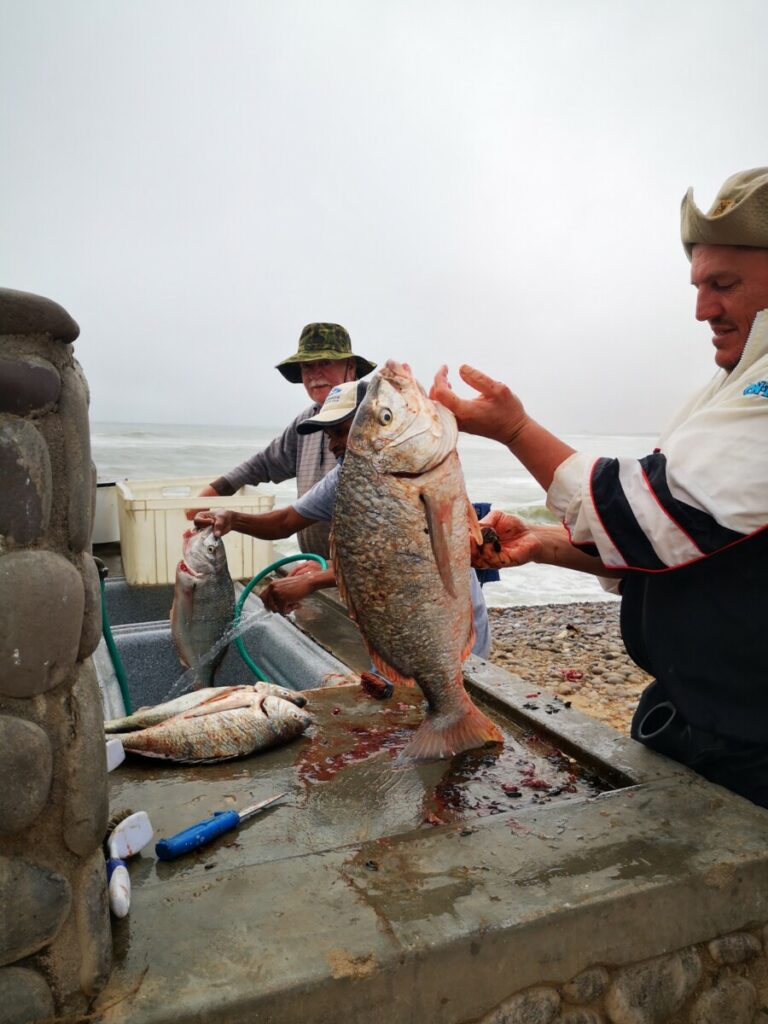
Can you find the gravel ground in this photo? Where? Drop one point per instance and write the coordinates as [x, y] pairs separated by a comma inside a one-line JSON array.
[[574, 650]]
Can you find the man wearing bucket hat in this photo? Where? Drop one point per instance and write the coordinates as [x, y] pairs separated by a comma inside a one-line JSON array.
[[683, 532], [316, 506], [324, 358]]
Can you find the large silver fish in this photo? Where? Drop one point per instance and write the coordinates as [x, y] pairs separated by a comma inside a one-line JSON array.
[[203, 604], [224, 727], [400, 542], [146, 717]]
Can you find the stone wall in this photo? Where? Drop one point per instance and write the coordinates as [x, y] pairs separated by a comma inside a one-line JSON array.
[[724, 981], [55, 943]]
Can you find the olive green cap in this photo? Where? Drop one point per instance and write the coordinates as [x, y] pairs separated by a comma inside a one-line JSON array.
[[322, 341], [739, 214]]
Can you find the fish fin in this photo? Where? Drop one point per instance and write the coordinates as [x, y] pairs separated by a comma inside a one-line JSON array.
[[441, 736], [471, 638], [474, 524], [181, 611], [388, 671], [438, 512]]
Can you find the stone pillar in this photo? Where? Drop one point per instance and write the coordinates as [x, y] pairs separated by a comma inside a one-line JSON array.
[[55, 942]]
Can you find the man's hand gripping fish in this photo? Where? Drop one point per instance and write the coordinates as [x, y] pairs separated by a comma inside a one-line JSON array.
[[400, 545]]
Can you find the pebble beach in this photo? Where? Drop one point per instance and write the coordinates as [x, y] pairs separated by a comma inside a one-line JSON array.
[[573, 650]]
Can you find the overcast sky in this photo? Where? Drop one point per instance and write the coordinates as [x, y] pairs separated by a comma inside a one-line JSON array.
[[486, 181]]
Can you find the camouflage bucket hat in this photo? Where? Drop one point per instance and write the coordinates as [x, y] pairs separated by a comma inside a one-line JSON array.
[[739, 214], [322, 341]]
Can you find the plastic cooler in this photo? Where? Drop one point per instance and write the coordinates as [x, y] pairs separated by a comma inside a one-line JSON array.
[[152, 521]]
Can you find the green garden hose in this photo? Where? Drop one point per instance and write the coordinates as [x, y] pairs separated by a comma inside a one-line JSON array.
[[246, 591], [117, 663]]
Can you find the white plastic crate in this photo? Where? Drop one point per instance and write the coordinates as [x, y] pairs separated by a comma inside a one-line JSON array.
[[152, 521]]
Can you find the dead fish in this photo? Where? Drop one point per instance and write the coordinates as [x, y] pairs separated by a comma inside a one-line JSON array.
[[146, 717], [227, 726], [203, 603], [400, 541]]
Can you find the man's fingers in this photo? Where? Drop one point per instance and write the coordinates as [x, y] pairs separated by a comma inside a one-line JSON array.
[[479, 381], [440, 385]]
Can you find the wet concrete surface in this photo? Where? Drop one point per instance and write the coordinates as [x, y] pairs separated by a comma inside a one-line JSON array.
[[386, 892]]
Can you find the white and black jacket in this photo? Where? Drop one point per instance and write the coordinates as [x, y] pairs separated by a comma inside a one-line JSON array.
[[689, 524]]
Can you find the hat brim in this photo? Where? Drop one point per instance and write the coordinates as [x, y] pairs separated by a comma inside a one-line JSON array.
[[745, 223], [291, 367], [314, 424]]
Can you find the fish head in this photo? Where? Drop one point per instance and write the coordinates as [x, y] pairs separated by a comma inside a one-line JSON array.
[[204, 554], [398, 427], [286, 718]]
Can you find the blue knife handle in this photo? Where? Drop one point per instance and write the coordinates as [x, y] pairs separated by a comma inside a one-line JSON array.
[[198, 835]]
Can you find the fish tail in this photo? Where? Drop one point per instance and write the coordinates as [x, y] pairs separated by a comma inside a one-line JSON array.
[[444, 735]]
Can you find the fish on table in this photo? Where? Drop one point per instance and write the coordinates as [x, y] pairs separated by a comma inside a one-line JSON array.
[[400, 540], [229, 725], [146, 717], [203, 604]]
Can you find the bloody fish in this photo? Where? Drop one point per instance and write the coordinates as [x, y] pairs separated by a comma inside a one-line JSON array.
[[146, 717], [229, 725], [401, 548], [203, 604]]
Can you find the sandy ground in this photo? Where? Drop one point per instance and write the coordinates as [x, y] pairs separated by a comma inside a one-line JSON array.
[[574, 650]]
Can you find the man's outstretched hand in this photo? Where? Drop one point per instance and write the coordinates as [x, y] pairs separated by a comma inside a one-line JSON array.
[[495, 413]]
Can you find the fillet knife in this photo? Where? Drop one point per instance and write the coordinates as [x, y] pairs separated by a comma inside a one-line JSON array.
[[203, 832]]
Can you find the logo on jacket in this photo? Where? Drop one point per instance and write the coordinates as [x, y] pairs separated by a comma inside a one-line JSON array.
[[760, 387]]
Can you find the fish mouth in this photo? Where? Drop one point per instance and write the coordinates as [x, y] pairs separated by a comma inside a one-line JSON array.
[[183, 567]]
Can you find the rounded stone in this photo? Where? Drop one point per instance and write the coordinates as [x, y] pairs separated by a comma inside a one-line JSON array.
[[93, 927], [92, 620], [587, 986], [652, 991], [36, 902], [73, 412], [28, 386], [732, 1001], [24, 996], [86, 807], [25, 496], [736, 948], [41, 620], [26, 766], [535, 1006], [581, 1017], [27, 313]]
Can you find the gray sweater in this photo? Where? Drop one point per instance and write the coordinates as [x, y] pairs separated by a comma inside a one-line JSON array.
[[304, 456]]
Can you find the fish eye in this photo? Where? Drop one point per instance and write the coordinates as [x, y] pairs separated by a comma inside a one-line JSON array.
[[211, 548], [385, 416]]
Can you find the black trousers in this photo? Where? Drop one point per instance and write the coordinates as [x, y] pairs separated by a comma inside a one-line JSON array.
[[739, 766]]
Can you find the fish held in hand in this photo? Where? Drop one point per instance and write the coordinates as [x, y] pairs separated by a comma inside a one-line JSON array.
[[400, 545], [146, 717], [203, 604], [224, 727]]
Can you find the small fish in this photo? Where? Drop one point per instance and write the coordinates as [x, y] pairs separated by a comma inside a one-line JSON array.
[[227, 726], [400, 543], [203, 603], [146, 717]]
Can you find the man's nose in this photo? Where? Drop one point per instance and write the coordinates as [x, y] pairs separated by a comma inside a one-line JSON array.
[[708, 305]]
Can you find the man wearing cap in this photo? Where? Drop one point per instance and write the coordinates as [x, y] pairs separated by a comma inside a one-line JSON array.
[[316, 506], [683, 531], [324, 359]]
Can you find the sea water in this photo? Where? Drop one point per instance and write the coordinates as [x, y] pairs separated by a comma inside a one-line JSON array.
[[142, 451]]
